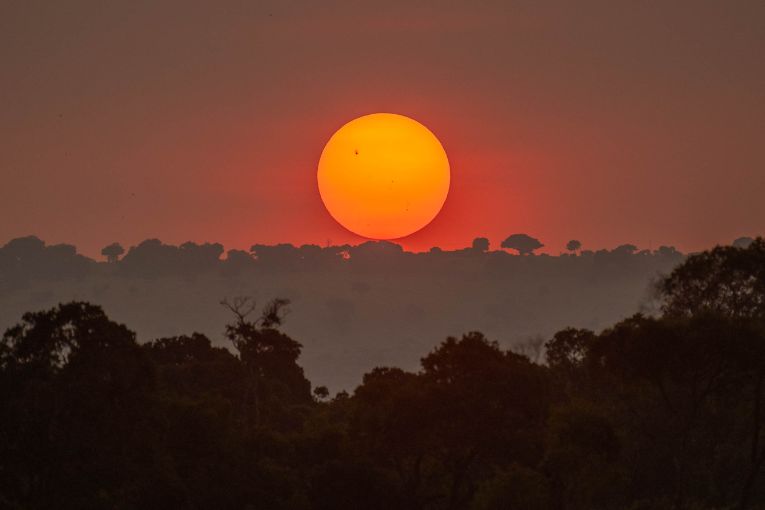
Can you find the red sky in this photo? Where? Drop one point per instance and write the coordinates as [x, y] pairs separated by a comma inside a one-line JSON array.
[[609, 122]]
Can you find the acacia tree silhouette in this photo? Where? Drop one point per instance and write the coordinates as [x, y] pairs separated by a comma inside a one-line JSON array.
[[524, 244], [112, 252]]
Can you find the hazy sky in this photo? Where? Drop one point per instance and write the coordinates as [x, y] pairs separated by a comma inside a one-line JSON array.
[[608, 121]]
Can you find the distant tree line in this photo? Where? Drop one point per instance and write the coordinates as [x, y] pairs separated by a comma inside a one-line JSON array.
[[28, 258], [656, 412]]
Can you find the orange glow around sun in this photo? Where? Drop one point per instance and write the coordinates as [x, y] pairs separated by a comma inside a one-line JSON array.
[[383, 176]]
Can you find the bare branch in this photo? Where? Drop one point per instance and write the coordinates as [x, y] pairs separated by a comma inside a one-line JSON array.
[[241, 307], [273, 313]]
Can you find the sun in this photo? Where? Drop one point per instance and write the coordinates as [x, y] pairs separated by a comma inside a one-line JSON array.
[[383, 176]]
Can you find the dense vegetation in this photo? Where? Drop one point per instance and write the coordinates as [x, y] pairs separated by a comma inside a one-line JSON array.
[[656, 412], [353, 307]]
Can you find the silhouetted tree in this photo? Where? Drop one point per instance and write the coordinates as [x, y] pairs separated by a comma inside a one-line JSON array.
[[668, 251], [480, 244], [76, 412], [321, 392], [524, 244], [625, 249], [112, 252], [391, 421], [24, 247], [568, 348], [274, 380], [466, 429], [151, 259], [726, 280], [573, 245], [197, 258]]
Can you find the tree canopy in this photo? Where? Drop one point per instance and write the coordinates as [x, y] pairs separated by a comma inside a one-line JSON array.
[[522, 243], [657, 411]]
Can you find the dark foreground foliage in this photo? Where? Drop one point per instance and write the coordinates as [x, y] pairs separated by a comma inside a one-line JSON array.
[[658, 412]]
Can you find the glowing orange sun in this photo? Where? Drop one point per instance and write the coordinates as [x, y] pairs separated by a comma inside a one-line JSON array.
[[383, 176]]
